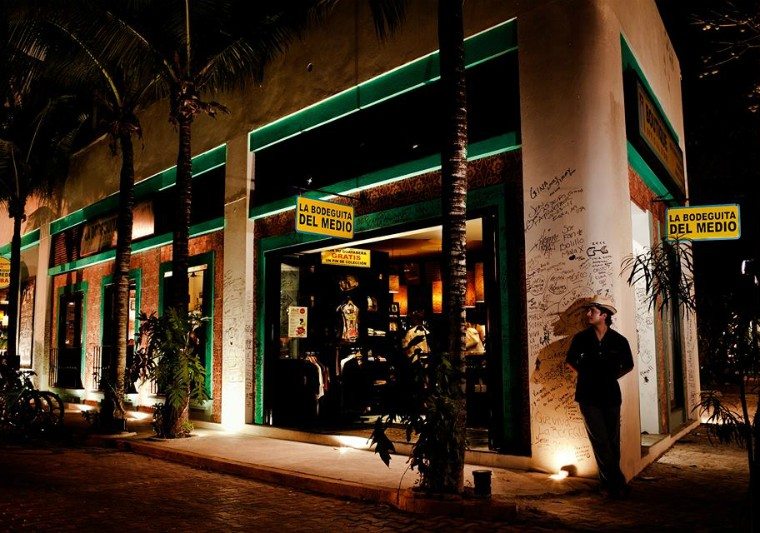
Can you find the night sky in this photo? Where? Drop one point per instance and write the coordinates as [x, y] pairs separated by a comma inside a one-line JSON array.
[[722, 147]]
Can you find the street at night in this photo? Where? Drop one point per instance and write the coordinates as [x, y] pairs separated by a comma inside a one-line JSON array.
[[695, 486]]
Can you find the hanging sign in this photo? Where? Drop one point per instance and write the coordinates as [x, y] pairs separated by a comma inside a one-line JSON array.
[[655, 133], [5, 272], [352, 257], [297, 322], [324, 218], [704, 223]]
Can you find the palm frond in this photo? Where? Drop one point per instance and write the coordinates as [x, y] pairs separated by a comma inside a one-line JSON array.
[[666, 271], [387, 15]]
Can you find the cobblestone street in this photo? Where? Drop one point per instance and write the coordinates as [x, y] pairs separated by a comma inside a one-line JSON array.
[[693, 487], [94, 489]]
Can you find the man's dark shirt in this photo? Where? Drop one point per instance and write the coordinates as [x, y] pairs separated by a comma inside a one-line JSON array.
[[599, 365]]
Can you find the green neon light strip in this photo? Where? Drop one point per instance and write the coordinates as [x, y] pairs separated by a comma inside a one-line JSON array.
[[27, 241], [427, 210], [154, 242], [202, 163], [629, 60], [647, 174], [487, 148], [486, 45]]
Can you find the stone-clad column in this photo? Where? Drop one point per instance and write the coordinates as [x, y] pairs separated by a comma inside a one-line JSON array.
[[41, 336], [576, 208], [237, 306]]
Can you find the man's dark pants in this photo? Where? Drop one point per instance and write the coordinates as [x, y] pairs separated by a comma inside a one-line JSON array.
[[603, 428]]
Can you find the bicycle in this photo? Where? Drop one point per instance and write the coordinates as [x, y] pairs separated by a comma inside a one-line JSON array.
[[24, 408]]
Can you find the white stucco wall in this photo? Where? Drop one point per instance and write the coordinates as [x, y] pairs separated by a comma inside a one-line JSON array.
[[576, 194]]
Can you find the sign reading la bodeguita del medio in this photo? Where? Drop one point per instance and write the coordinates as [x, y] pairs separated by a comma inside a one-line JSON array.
[[704, 223], [324, 218], [5, 272]]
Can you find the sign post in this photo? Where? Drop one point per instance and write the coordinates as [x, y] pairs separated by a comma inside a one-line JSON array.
[[704, 223]]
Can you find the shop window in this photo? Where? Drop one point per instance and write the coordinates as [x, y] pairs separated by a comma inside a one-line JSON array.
[[106, 352], [401, 129], [350, 325], [199, 306]]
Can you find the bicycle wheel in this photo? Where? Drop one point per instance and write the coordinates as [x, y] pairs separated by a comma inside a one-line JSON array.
[[52, 408], [27, 412]]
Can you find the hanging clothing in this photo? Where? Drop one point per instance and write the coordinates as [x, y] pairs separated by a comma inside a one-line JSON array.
[[415, 341], [348, 314]]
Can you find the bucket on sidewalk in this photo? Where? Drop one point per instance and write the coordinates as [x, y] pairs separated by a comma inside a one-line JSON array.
[[482, 480]]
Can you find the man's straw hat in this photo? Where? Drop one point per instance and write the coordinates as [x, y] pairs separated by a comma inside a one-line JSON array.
[[603, 302]]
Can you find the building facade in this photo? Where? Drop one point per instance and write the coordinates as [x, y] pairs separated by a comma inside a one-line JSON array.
[[575, 149]]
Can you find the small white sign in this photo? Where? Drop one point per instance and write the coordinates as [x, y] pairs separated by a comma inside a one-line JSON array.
[[298, 318]]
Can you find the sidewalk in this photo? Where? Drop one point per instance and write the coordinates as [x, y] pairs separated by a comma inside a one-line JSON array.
[[693, 486], [340, 471]]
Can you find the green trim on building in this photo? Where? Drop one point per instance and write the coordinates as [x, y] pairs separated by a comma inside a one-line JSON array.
[[27, 241], [491, 43], [489, 147], [208, 259], [429, 210], [82, 287], [197, 230], [647, 174], [201, 163], [629, 61], [134, 274]]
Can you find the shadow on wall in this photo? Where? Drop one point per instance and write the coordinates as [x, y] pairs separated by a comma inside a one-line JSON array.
[[550, 362], [558, 434]]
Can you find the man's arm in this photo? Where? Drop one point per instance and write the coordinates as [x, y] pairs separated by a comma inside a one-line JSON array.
[[626, 358]]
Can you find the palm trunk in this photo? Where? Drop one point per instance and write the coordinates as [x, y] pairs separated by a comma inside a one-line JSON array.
[[454, 206], [15, 282], [184, 198], [177, 417], [118, 364]]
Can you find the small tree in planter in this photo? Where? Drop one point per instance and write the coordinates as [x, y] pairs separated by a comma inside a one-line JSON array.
[[166, 354], [430, 413]]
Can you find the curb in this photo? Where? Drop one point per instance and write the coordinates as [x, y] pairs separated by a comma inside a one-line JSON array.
[[404, 500]]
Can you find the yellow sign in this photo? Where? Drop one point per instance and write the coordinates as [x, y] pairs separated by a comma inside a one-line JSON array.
[[5, 272], [353, 257], [655, 132], [704, 223], [324, 218]]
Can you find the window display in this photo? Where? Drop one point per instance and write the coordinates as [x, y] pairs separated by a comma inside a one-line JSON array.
[[368, 322]]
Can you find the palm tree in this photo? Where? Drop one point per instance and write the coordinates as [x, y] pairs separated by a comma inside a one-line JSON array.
[[199, 48], [120, 90], [442, 471], [37, 132], [36, 141], [454, 209]]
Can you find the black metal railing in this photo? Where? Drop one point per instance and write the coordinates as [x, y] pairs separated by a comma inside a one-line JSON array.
[[101, 355], [66, 368]]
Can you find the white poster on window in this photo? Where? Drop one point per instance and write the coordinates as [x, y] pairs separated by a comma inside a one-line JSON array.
[[297, 321]]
